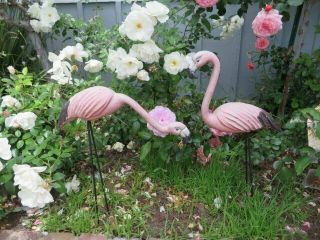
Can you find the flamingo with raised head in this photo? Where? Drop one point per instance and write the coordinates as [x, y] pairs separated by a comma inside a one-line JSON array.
[[96, 102], [232, 117]]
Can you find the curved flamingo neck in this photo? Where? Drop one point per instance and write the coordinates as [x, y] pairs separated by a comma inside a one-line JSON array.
[[205, 111], [142, 112]]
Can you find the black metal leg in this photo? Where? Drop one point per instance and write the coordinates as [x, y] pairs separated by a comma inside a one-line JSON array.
[[92, 166], [99, 167], [247, 159], [250, 168]]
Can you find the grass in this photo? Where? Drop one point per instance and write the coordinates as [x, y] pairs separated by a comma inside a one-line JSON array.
[[187, 196]]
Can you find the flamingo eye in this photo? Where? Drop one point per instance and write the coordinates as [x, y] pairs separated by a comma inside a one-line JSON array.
[[177, 129]]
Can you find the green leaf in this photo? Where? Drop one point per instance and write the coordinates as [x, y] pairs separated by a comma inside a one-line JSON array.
[[277, 164], [145, 150], [145, 135], [25, 71], [318, 172], [301, 164], [58, 176], [59, 186], [20, 144], [295, 2], [285, 174]]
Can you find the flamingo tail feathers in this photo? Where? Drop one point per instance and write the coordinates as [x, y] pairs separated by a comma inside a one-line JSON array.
[[63, 117], [268, 122]]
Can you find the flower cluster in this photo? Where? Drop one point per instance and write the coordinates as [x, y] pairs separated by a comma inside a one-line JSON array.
[[34, 191], [139, 25], [24, 120], [44, 16], [267, 23], [228, 26]]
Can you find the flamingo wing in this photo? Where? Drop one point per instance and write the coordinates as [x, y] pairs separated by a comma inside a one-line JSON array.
[[239, 117]]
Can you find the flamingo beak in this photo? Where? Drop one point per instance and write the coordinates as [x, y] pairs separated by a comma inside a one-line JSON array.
[[185, 133]]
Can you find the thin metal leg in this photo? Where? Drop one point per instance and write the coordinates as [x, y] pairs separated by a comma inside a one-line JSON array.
[[247, 159], [99, 167], [92, 167], [250, 168]]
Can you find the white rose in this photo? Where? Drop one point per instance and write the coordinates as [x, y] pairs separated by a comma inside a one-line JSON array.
[[74, 52], [35, 199], [158, 10], [34, 10], [5, 149], [61, 70], [1, 166], [73, 185], [237, 21], [138, 26], [39, 26], [118, 146], [11, 70], [143, 75], [147, 52], [114, 58], [61, 79], [25, 120], [192, 65], [47, 3], [49, 15], [128, 66], [175, 62], [8, 101], [27, 177], [93, 66]]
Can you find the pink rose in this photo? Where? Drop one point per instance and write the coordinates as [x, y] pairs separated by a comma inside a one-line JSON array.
[[266, 23], [206, 3], [162, 115], [250, 66], [262, 43]]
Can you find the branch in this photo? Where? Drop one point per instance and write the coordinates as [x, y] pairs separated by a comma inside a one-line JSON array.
[[18, 23]]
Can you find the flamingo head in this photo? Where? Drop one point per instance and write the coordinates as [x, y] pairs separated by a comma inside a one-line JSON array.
[[179, 129], [202, 58]]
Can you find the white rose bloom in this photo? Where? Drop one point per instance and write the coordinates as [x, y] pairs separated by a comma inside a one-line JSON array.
[[191, 63], [136, 7], [118, 146], [147, 52], [5, 149], [35, 199], [61, 70], [1, 166], [130, 145], [49, 15], [47, 3], [34, 10], [39, 26], [25, 120], [61, 79], [138, 26], [74, 52], [143, 75], [27, 177], [237, 21], [11, 70], [115, 57], [128, 66], [158, 10], [73, 185], [8, 101], [93, 66], [175, 62]]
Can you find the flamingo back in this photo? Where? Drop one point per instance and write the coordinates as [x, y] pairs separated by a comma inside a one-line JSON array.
[[237, 117], [90, 104]]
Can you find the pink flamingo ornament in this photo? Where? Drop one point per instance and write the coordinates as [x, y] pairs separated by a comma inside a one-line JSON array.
[[232, 117], [96, 102]]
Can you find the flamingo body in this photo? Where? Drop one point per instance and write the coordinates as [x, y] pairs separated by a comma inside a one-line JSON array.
[[237, 117]]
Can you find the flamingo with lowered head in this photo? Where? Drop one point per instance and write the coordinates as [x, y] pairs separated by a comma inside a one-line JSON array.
[[232, 117], [96, 102]]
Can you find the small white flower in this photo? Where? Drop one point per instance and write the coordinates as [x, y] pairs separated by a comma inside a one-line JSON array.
[[24, 120], [61, 70], [118, 146], [147, 180], [93, 66], [158, 10], [47, 3], [76, 52], [147, 52], [143, 75], [192, 65], [175, 62], [11, 70], [130, 145], [61, 79], [115, 57], [218, 22], [39, 26], [237, 21], [49, 15], [73, 185], [5, 149], [34, 10], [1, 166], [138, 26], [128, 66], [217, 202], [162, 209], [8, 101]]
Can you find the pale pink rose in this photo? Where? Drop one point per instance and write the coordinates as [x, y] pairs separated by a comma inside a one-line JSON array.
[[162, 115], [262, 43], [266, 23], [206, 3]]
